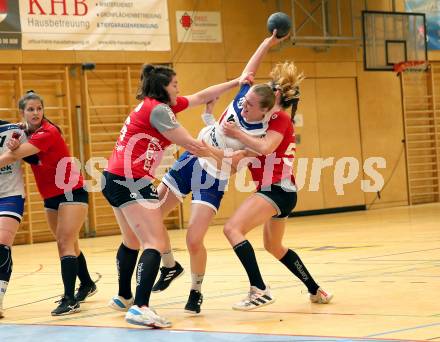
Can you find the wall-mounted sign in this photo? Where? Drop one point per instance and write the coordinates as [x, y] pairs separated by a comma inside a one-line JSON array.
[[198, 27]]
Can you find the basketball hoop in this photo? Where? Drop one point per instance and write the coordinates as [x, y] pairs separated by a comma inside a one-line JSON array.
[[411, 66]]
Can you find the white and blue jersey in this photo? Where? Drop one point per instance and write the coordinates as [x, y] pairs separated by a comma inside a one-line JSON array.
[[214, 135], [199, 175], [233, 113], [11, 176]]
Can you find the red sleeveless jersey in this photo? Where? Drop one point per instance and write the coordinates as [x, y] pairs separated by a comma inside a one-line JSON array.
[[278, 165], [140, 147]]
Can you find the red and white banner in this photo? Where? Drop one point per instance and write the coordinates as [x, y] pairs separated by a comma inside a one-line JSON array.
[[198, 27]]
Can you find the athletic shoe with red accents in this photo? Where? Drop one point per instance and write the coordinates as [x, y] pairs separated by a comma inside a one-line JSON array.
[[321, 297], [256, 298]]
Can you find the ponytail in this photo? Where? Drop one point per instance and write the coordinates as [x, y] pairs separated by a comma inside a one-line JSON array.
[[153, 81], [293, 110], [286, 79]]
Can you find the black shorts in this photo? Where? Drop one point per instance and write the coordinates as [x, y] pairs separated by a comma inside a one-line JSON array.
[[283, 201], [77, 196], [131, 190]]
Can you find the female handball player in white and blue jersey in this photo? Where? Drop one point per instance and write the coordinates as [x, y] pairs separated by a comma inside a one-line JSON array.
[[11, 204], [207, 179]]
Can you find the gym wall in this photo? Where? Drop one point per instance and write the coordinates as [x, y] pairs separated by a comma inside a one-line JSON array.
[[346, 112]]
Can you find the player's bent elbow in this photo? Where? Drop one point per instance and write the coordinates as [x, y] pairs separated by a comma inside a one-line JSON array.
[[265, 150], [8, 158]]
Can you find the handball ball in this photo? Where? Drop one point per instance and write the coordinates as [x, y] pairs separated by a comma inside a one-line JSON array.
[[281, 22]]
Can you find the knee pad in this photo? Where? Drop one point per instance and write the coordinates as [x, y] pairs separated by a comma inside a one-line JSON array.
[[5, 262]]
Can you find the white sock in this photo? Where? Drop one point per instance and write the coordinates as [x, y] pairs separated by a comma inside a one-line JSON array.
[[197, 280], [3, 287], [168, 259]]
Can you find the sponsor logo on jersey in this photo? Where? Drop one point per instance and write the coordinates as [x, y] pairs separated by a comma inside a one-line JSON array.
[[138, 107], [240, 102], [213, 138], [171, 114]]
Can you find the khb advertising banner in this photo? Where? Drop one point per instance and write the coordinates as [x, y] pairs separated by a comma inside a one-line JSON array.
[[133, 25]]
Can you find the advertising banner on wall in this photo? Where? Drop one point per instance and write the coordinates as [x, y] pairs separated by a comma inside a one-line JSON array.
[[113, 25], [432, 10], [10, 29], [198, 27]]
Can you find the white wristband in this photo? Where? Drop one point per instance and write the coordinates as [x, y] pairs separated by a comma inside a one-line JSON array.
[[208, 119]]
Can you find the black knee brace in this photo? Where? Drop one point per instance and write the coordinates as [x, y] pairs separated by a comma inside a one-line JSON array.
[[5, 263]]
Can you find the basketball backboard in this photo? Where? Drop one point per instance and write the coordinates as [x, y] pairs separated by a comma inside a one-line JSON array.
[[393, 37]]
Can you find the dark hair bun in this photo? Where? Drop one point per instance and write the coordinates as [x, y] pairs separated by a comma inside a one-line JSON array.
[[148, 70], [30, 91]]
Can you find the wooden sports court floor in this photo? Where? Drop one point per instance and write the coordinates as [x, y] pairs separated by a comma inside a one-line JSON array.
[[383, 267]]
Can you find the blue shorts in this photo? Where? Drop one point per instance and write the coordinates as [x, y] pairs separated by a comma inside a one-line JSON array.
[[187, 175], [12, 206]]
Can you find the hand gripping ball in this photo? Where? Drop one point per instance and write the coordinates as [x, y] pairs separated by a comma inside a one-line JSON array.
[[281, 22]]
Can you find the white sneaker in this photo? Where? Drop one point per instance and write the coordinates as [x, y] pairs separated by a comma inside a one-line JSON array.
[[120, 303], [146, 316], [256, 298], [321, 297]]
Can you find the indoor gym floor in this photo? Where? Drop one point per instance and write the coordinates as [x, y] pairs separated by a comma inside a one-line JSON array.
[[383, 267]]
